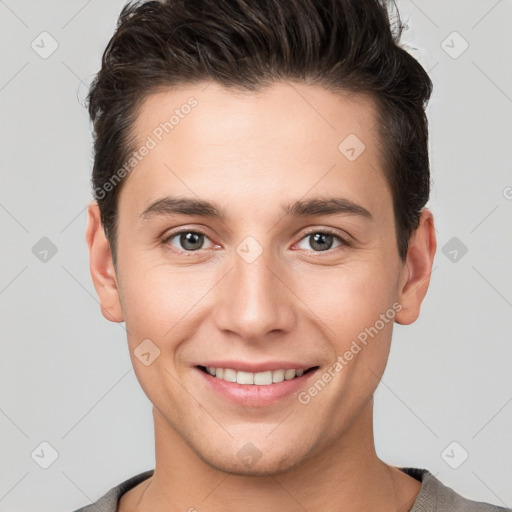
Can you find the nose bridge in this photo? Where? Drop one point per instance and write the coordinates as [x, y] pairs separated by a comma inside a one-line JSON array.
[[253, 301]]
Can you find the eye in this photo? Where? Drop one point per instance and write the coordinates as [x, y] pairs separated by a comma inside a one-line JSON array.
[[187, 240], [321, 241]]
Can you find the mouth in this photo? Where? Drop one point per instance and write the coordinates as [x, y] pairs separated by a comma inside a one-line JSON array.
[[254, 384], [262, 378]]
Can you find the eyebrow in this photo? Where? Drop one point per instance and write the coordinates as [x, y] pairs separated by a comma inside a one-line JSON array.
[[168, 206]]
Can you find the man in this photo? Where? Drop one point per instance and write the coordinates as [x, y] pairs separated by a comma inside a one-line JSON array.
[[261, 173]]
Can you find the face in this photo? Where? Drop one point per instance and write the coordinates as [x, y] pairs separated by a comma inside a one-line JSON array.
[[290, 265]]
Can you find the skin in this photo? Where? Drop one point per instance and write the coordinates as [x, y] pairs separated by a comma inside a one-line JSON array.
[[250, 153]]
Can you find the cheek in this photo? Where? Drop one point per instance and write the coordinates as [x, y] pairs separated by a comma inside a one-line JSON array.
[[156, 299], [349, 298], [157, 302]]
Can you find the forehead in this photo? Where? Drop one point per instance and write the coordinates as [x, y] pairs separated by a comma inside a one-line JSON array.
[[283, 109], [287, 139]]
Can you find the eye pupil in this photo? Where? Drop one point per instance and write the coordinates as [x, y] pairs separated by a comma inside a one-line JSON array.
[[190, 240], [193, 241], [320, 240]]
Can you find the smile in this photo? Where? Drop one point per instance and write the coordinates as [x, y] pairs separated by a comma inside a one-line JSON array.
[[264, 378]]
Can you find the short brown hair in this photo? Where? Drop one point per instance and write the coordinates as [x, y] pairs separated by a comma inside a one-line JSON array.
[[342, 45]]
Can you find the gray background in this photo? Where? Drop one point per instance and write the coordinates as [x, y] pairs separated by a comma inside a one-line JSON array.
[[65, 374]]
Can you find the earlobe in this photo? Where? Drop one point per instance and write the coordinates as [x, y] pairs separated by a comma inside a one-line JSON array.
[[417, 269], [101, 266]]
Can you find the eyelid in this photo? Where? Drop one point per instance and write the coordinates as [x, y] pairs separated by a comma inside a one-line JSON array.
[[172, 234], [344, 240]]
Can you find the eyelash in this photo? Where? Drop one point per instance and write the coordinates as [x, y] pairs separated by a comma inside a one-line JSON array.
[[325, 231]]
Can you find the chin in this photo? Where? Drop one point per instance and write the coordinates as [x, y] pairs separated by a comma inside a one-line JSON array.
[[251, 461], [272, 466]]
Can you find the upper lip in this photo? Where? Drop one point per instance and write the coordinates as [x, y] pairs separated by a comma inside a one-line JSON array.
[[257, 367]]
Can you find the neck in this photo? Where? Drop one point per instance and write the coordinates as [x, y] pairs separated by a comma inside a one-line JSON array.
[[347, 476]]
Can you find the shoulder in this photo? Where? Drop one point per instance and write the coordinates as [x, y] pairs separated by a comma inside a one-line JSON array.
[[109, 501], [434, 496]]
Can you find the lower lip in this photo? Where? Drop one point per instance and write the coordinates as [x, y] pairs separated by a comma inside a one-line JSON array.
[[252, 394]]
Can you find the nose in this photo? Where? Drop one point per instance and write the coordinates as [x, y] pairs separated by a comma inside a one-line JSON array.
[[255, 300]]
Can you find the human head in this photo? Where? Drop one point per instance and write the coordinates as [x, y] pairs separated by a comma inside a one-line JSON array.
[[248, 151], [342, 45]]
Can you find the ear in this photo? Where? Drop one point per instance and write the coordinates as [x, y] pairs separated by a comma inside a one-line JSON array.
[[417, 269], [101, 266]]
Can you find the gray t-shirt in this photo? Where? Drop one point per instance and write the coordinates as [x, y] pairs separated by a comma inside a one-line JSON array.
[[433, 496]]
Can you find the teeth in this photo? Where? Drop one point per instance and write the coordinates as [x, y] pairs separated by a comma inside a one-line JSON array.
[[289, 374], [278, 376], [263, 378], [229, 375], [245, 378], [258, 379]]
